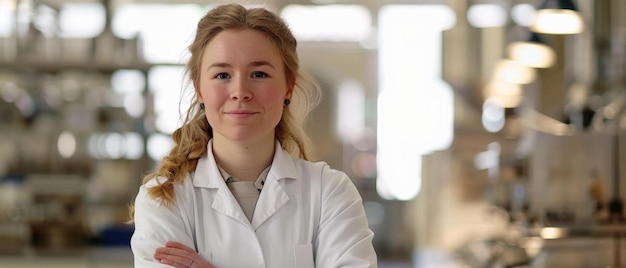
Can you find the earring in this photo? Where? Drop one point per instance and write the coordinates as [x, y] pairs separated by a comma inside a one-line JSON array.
[[287, 102], [201, 106]]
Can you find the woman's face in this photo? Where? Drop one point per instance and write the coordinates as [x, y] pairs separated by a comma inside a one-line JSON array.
[[243, 86]]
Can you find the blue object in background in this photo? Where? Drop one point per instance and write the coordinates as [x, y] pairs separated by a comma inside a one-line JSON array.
[[117, 236]]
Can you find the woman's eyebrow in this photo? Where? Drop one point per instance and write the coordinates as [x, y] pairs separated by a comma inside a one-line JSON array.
[[218, 64], [262, 63], [253, 64]]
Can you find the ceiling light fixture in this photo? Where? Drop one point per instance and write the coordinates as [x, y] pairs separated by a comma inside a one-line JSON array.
[[557, 17], [532, 53]]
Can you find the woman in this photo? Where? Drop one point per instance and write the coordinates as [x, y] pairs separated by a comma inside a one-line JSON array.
[[237, 189]]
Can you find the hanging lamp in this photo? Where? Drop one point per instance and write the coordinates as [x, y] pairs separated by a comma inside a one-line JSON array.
[[557, 17], [533, 52]]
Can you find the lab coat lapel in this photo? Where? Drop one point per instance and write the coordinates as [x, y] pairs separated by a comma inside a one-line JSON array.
[[207, 175], [273, 196], [226, 203]]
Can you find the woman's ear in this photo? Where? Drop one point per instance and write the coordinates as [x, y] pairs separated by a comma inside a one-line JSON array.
[[291, 84]]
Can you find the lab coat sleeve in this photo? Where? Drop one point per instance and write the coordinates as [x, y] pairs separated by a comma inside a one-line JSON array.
[[344, 238], [155, 225]]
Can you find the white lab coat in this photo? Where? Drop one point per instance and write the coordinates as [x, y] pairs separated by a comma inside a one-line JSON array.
[[308, 215]]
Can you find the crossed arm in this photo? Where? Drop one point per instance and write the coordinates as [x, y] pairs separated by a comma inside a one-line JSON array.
[[154, 226], [180, 256]]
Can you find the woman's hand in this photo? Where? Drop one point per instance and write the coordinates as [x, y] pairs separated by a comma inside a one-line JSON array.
[[180, 256]]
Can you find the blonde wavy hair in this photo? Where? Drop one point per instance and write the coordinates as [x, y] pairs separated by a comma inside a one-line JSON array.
[[192, 137]]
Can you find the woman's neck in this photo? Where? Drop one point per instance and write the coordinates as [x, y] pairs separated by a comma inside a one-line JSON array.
[[244, 161]]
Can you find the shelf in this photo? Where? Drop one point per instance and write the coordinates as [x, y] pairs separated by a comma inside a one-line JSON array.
[[49, 66], [61, 66], [571, 231]]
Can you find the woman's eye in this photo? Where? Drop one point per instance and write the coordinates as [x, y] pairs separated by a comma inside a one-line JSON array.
[[222, 76], [259, 75]]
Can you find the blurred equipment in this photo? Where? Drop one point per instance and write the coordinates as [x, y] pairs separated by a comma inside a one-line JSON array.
[[14, 231], [57, 212], [494, 253]]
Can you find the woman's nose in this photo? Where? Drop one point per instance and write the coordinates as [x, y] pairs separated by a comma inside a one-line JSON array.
[[241, 90]]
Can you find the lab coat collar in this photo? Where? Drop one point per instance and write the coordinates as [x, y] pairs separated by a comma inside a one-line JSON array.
[[207, 173], [272, 198]]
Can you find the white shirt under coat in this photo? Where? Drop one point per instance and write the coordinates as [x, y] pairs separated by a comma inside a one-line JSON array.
[[308, 215]]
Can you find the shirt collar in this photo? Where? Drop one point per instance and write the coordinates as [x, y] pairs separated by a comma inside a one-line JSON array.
[[207, 173], [260, 181]]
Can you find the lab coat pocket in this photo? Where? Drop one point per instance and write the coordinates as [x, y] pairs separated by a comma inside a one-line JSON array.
[[303, 255]]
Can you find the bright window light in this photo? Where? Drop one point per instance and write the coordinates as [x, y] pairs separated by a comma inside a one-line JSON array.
[[382, 187], [126, 20], [523, 14], [402, 176], [7, 18], [166, 84], [125, 81], [328, 22], [25, 15], [351, 111], [81, 20], [134, 104], [487, 15], [415, 106], [419, 118], [159, 145], [557, 21], [134, 145], [130, 84], [398, 50], [6, 22], [166, 30], [115, 145], [45, 20]]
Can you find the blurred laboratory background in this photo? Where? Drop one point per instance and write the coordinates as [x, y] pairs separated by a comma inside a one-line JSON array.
[[480, 133]]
